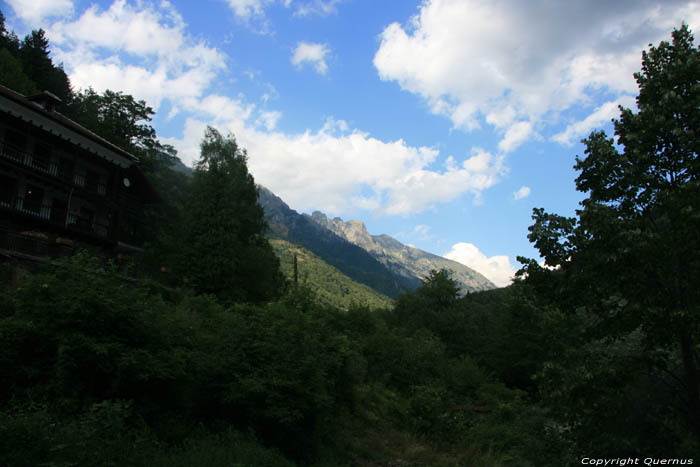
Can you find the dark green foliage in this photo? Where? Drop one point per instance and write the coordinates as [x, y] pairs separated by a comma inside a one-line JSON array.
[[227, 449], [34, 54], [224, 249], [80, 335], [12, 75], [99, 436], [627, 268], [118, 118], [12, 72], [297, 374], [26, 66]]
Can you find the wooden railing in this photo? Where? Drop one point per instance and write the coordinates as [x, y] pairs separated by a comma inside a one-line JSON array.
[[56, 216], [35, 244], [27, 159]]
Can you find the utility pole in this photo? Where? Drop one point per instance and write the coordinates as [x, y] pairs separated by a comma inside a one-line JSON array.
[[296, 271]]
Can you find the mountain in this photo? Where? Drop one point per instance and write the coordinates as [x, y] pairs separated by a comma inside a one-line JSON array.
[[179, 166], [330, 286], [403, 260], [348, 258]]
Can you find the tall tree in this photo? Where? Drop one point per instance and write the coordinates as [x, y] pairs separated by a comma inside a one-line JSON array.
[[224, 249], [34, 53], [632, 256], [12, 74]]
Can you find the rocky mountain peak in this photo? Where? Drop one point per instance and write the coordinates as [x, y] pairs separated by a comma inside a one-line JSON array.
[[403, 260]]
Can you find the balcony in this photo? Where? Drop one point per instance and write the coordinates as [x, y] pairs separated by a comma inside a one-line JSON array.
[[35, 244], [56, 217], [46, 167]]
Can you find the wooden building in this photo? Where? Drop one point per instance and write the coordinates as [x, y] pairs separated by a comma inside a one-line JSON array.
[[62, 187]]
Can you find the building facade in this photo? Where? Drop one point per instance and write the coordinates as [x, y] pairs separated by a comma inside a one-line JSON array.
[[62, 187]]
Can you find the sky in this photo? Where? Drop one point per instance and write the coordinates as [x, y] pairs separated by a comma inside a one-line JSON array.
[[442, 123]]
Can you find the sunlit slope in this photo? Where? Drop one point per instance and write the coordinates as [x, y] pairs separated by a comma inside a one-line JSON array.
[[331, 286]]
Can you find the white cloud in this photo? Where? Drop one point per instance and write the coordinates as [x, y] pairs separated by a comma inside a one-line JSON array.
[[516, 65], [33, 12], [602, 115], [522, 193], [141, 50], [252, 12], [517, 134], [312, 53], [246, 9], [144, 50], [269, 119], [316, 7], [497, 269], [334, 168]]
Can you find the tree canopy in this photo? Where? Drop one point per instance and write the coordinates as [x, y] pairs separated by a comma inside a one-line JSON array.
[[224, 250], [632, 255]]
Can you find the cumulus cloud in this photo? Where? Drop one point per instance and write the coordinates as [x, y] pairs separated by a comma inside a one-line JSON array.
[[335, 168], [497, 269], [312, 53], [518, 65], [33, 12], [523, 192], [141, 50], [144, 49]]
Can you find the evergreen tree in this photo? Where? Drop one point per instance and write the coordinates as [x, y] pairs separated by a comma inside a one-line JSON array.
[[34, 54], [11, 71], [225, 251], [12, 76], [8, 39]]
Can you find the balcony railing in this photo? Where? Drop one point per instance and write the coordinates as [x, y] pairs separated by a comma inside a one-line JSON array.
[[56, 216], [34, 243], [27, 159]]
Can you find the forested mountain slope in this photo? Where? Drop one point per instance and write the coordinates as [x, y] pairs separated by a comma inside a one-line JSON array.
[[329, 285], [350, 259]]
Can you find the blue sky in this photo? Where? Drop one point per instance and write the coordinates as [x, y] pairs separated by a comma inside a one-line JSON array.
[[439, 122]]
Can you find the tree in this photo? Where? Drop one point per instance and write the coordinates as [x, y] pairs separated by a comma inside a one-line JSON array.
[[632, 255], [225, 251], [117, 117], [8, 39], [12, 74], [34, 54]]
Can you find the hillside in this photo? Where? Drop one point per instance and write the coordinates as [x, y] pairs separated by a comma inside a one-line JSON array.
[[350, 259], [406, 261], [330, 286]]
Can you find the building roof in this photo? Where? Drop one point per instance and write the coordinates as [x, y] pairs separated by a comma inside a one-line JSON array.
[[39, 110]]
